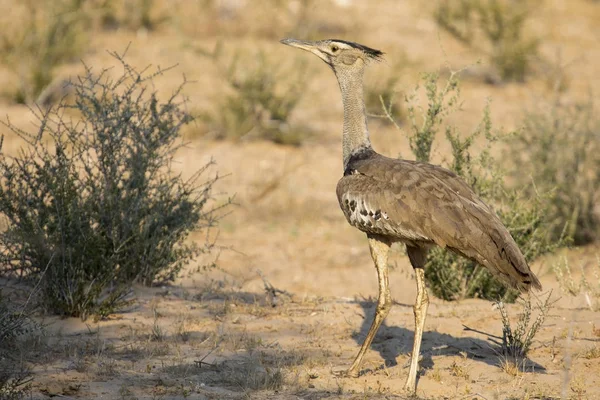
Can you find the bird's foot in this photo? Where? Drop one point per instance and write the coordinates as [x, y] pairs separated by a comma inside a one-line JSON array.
[[411, 387], [411, 381], [345, 372], [409, 360]]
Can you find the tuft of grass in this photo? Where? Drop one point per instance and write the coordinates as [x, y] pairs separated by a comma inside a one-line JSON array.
[[449, 276], [591, 352], [460, 371], [157, 334], [436, 375], [579, 388], [42, 37], [510, 366], [495, 28], [256, 107], [93, 205], [574, 175]]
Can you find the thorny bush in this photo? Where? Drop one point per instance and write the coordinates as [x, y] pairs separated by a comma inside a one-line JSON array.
[[92, 203]]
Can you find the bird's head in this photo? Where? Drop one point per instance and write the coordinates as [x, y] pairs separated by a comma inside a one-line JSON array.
[[338, 54]]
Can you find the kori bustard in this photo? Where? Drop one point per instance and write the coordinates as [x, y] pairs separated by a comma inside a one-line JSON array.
[[419, 204]]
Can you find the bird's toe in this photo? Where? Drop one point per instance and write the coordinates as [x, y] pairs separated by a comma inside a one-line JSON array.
[[352, 373], [345, 372]]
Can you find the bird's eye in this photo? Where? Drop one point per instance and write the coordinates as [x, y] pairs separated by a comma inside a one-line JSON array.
[[334, 48]]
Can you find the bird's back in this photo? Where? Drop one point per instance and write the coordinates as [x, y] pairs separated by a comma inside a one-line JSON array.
[[422, 204]]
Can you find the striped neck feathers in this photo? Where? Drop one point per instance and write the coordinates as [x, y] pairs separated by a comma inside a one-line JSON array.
[[355, 133]]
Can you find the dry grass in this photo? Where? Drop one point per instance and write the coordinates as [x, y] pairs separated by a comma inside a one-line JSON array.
[[510, 366], [590, 353], [158, 333], [436, 375], [459, 370], [578, 388]]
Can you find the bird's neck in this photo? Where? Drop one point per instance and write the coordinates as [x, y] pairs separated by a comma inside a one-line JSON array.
[[356, 133]]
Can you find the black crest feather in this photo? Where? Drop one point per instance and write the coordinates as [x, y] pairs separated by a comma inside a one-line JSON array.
[[372, 53]]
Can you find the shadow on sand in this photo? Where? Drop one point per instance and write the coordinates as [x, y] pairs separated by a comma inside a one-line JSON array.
[[393, 341]]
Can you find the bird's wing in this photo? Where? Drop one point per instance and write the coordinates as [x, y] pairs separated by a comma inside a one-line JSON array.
[[420, 203]]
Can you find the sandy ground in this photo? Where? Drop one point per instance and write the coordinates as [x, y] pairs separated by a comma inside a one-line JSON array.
[[219, 335], [216, 340]]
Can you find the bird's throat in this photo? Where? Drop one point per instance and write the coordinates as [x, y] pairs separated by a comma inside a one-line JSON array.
[[355, 134]]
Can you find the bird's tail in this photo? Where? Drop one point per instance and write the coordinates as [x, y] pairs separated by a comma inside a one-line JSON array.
[[512, 264]]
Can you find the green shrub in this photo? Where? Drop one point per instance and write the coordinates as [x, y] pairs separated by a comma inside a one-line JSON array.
[[559, 149], [42, 37], [256, 107], [449, 276], [500, 23], [93, 205]]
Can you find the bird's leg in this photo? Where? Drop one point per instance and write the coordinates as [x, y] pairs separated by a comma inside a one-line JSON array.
[[417, 257], [379, 251]]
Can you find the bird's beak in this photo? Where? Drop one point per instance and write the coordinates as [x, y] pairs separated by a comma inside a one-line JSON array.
[[308, 46]]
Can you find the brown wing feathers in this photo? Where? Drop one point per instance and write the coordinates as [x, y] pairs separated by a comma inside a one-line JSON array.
[[419, 203]]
